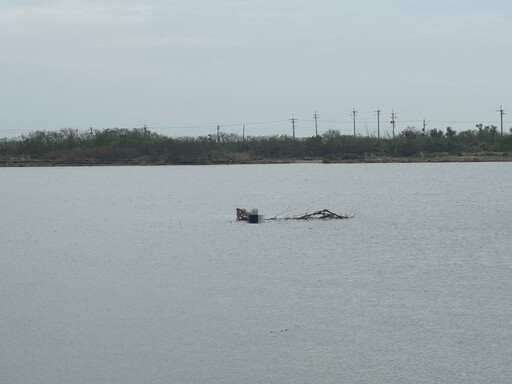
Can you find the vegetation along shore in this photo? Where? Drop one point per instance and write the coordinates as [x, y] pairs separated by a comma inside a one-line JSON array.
[[142, 147]]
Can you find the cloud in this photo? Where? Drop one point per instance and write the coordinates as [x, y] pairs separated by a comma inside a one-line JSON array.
[[53, 24], [74, 12], [151, 41], [102, 38]]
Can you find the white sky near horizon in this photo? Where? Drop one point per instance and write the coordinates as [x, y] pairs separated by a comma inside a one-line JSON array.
[[182, 67]]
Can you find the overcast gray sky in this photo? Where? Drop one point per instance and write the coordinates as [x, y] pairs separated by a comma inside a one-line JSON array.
[[199, 63]]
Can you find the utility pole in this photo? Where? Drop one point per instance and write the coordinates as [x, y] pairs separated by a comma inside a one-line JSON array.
[[354, 113], [293, 121], [502, 112], [316, 116], [243, 133], [424, 126], [393, 121], [378, 111], [218, 133]]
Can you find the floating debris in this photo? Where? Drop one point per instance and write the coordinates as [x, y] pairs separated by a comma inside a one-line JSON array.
[[244, 215]]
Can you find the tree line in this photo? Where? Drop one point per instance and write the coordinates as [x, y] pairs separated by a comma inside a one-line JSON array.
[[143, 146]]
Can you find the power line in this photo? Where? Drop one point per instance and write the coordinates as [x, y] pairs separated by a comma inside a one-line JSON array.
[[337, 121], [224, 125], [454, 121], [261, 124]]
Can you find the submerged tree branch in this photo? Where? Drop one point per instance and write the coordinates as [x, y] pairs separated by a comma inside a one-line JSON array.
[[243, 215]]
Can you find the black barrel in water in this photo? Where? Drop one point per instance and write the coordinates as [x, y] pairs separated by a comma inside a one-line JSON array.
[[254, 218]]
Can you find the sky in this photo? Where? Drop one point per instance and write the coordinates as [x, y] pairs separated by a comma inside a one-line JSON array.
[[183, 67]]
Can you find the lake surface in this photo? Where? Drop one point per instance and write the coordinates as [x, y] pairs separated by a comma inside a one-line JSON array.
[[142, 274]]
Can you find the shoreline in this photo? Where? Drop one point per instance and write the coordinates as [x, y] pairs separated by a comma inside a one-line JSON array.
[[20, 163]]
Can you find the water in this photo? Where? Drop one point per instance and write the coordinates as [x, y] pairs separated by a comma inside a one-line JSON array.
[[141, 274]]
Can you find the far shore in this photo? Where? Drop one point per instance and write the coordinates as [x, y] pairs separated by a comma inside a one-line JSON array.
[[369, 160]]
